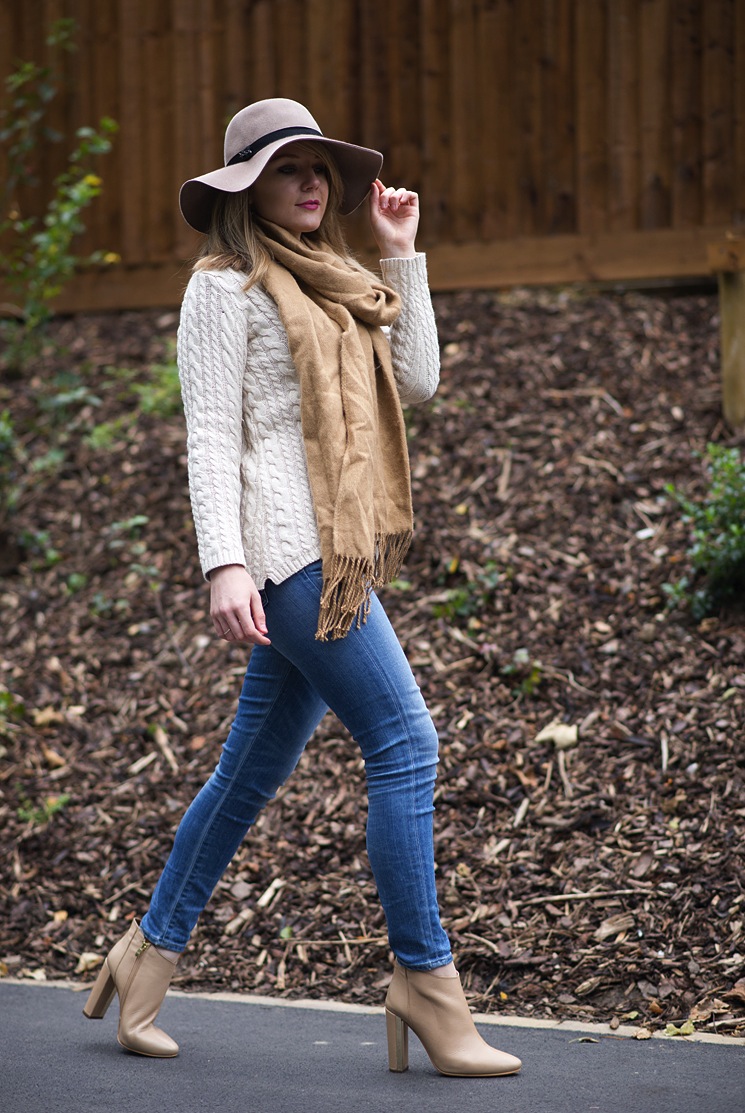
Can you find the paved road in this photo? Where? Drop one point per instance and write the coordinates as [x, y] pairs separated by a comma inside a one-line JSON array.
[[243, 1057]]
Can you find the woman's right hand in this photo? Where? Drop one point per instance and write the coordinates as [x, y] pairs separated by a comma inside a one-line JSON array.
[[235, 606]]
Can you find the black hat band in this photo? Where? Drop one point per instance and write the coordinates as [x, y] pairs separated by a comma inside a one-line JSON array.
[[282, 133]]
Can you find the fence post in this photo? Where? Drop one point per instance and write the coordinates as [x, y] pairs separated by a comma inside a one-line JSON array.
[[727, 260]]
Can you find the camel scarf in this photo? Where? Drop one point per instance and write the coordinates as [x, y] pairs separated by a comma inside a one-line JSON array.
[[353, 428]]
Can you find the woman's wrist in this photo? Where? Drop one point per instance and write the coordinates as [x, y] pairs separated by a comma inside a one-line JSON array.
[[397, 252], [224, 568]]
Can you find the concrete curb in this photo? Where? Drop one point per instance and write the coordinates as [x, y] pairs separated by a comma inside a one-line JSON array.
[[588, 1028]]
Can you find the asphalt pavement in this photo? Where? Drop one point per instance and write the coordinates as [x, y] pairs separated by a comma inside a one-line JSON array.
[[242, 1054]]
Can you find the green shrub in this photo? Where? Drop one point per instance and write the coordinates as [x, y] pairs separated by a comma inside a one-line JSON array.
[[469, 598], [160, 394], [38, 815], [157, 394], [717, 551], [36, 250], [524, 672], [37, 260]]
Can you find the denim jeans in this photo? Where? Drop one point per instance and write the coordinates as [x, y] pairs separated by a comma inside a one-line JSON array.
[[288, 688]]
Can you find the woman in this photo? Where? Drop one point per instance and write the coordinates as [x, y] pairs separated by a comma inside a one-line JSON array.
[[299, 482]]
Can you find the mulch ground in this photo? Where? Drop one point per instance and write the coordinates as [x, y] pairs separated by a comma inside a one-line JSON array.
[[599, 878]]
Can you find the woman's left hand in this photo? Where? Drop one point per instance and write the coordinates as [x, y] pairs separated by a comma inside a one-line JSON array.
[[394, 218]]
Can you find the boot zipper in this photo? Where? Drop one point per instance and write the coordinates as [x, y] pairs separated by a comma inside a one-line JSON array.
[[143, 947]]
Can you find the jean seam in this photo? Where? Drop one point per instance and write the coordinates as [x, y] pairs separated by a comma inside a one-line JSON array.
[[209, 824], [409, 752]]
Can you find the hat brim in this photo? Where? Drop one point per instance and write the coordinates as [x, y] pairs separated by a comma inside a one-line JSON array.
[[358, 167]]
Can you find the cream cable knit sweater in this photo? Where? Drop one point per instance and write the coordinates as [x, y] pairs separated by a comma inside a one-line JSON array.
[[248, 476]]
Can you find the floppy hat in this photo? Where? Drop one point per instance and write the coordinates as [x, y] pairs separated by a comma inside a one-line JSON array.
[[252, 137]]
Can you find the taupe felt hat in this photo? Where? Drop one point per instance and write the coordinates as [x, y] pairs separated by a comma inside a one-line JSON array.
[[252, 137]]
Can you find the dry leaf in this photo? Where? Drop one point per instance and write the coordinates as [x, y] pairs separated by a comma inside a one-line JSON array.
[[642, 1034], [737, 991], [686, 1029], [142, 763], [240, 921], [563, 735], [161, 741], [268, 895], [241, 890], [588, 986], [45, 716], [89, 960], [642, 864], [614, 925], [52, 758]]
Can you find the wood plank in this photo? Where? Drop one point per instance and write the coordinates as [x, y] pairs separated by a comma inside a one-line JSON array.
[[291, 58], [527, 46], [80, 109], [464, 202], [131, 127], [209, 115], [51, 158], [591, 115], [557, 184], [547, 260], [623, 120], [260, 76], [101, 67], [738, 201], [235, 21], [190, 157], [717, 111], [27, 45], [685, 110], [330, 35], [404, 151], [435, 122], [732, 328], [8, 39], [60, 114], [499, 200], [727, 255], [156, 138], [374, 76], [120, 288], [655, 152], [540, 260]]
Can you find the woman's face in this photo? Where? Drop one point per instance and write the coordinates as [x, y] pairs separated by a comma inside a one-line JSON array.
[[292, 190]]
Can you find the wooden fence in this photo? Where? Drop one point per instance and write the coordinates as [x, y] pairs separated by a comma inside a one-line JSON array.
[[551, 140]]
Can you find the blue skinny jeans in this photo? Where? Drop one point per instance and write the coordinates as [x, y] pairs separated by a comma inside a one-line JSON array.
[[288, 688]]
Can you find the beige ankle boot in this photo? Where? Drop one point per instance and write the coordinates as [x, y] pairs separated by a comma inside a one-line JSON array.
[[136, 970], [436, 1010]]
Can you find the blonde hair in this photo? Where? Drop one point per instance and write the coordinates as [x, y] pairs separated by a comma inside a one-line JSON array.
[[232, 240]]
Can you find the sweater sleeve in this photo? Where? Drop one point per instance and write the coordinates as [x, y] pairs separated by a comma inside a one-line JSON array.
[[211, 350], [415, 350]]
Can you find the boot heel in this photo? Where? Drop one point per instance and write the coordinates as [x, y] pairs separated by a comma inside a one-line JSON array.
[[398, 1042], [101, 995]]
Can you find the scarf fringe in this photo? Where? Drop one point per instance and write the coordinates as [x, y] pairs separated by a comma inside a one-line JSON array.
[[345, 598]]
